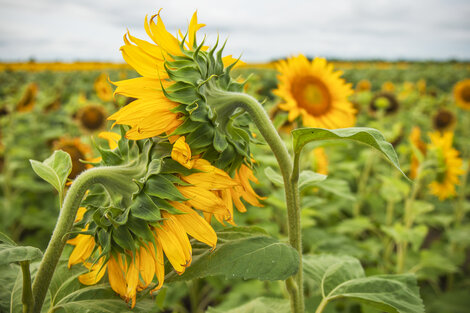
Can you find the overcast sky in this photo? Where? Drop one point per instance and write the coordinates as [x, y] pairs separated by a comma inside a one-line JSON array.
[[69, 30]]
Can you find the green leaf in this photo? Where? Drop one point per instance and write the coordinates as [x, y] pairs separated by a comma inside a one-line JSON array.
[[242, 253], [338, 187], [274, 176], [11, 254], [55, 170], [144, 208], [161, 187], [343, 277], [368, 136], [100, 299], [310, 178], [4, 238], [259, 305]]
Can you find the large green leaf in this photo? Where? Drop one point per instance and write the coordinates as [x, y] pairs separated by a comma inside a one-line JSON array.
[[364, 135], [259, 305], [343, 277], [99, 299], [246, 253], [55, 170], [11, 254]]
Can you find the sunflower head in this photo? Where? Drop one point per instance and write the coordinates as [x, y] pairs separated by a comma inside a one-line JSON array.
[[158, 195], [462, 94], [448, 165], [103, 88], [78, 152], [444, 120], [383, 102], [92, 117], [316, 93], [179, 94], [419, 148], [363, 85], [28, 100]]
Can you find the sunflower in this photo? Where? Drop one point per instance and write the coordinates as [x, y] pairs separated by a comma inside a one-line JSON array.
[[363, 85], [103, 88], [92, 117], [388, 86], [315, 92], [132, 271], [418, 143], [444, 120], [384, 101], [148, 59], [77, 151], [462, 94], [449, 165], [421, 86], [28, 100]]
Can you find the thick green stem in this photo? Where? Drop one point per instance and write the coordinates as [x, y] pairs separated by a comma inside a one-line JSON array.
[[266, 128], [103, 175], [27, 296]]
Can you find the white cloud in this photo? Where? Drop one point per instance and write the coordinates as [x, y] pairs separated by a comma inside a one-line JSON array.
[[260, 30]]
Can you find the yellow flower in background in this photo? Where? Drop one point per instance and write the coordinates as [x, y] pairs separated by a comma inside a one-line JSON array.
[[28, 100], [103, 88], [77, 151], [449, 165], [388, 86], [420, 145], [315, 92], [363, 85], [462, 94], [421, 86]]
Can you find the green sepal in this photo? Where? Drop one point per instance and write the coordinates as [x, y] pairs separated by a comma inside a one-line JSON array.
[[187, 74], [220, 141], [200, 139], [176, 180], [121, 216], [100, 219], [140, 228], [161, 187], [110, 157], [164, 205], [143, 207], [188, 126], [123, 237], [170, 166]]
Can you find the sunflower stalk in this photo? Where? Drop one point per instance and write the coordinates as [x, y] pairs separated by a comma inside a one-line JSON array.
[[290, 176], [112, 176]]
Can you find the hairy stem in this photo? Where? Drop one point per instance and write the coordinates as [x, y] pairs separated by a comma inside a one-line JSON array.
[[266, 128], [27, 296]]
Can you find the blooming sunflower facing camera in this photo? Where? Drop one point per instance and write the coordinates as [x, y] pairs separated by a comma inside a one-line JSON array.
[[316, 93], [449, 165]]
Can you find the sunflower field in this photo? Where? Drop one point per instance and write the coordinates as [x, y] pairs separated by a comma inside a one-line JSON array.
[[185, 180]]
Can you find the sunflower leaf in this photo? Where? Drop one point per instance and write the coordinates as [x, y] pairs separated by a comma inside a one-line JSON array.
[[343, 277], [12, 254], [247, 253], [369, 136], [55, 170]]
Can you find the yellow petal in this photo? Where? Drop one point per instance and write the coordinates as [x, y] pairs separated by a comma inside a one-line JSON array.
[[95, 274], [111, 137], [116, 272], [83, 249], [181, 153]]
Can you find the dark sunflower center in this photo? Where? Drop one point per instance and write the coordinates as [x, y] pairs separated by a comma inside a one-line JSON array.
[[92, 118], [466, 93], [76, 155], [443, 119], [312, 95]]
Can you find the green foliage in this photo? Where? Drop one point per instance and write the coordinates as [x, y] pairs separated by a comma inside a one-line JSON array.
[[246, 253], [343, 277], [54, 170], [259, 305]]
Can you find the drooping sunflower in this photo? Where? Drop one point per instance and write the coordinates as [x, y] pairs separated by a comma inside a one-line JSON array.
[[28, 100], [363, 85], [77, 151], [103, 88], [449, 165], [92, 117], [315, 92], [444, 120], [462, 94]]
